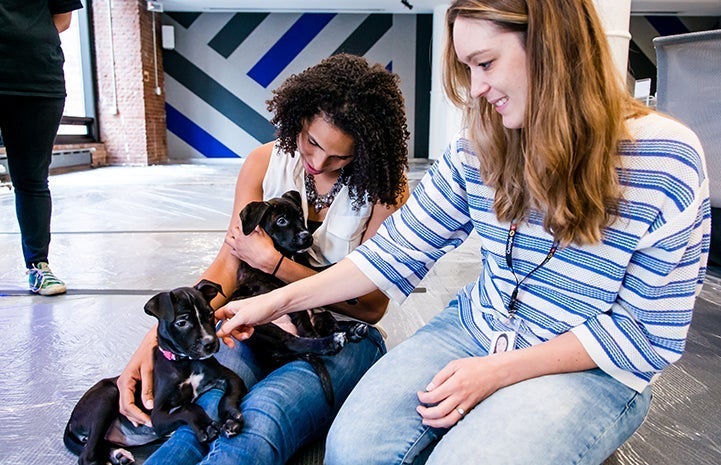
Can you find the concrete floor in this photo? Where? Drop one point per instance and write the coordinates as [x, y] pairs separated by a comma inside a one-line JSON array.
[[121, 234]]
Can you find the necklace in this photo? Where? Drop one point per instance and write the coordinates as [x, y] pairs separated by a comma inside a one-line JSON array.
[[320, 202]]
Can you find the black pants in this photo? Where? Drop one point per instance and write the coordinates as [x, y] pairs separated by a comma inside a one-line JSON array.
[[29, 126]]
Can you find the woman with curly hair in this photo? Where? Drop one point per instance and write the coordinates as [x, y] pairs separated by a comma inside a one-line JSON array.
[[342, 143], [593, 214]]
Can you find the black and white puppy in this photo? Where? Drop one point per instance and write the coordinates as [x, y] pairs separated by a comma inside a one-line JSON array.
[[318, 332], [184, 368]]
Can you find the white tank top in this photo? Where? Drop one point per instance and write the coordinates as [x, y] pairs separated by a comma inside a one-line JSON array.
[[343, 227]]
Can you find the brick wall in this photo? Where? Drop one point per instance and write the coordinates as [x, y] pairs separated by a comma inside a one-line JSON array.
[[131, 102]]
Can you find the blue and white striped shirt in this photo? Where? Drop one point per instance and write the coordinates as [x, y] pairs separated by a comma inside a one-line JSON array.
[[628, 299]]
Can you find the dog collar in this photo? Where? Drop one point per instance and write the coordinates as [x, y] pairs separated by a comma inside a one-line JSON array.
[[168, 354]]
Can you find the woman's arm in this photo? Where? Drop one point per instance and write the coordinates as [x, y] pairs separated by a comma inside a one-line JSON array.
[[248, 188], [138, 369], [256, 250], [62, 21], [340, 282]]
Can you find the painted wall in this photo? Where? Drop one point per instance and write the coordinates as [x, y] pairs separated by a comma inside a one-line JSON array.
[[224, 67]]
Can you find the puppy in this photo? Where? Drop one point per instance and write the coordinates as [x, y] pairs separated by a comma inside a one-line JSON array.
[[184, 368], [318, 332]]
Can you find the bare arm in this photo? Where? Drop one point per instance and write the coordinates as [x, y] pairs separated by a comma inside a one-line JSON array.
[[62, 21], [139, 368], [340, 282], [248, 188]]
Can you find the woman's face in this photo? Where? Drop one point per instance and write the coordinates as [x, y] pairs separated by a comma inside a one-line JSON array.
[[323, 147], [497, 62]]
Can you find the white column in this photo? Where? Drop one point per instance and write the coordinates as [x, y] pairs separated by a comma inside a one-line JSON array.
[[445, 118], [616, 16]]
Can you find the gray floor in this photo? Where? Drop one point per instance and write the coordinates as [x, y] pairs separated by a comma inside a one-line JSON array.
[[121, 234]]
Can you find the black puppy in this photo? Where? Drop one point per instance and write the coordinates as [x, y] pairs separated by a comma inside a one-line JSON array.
[[318, 331], [184, 368]]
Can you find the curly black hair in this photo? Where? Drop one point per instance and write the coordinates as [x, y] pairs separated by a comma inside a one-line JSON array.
[[365, 102]]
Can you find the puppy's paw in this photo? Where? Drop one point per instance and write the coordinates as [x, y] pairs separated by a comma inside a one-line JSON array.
[[233, 424], [339, 340], [357, 332], [121, 457], [209, 433]]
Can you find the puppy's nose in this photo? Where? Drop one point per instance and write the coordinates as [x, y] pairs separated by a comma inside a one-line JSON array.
[[209, 343], [305, 238]]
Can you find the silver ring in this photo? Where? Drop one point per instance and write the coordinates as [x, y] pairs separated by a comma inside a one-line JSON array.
[[461, 412]]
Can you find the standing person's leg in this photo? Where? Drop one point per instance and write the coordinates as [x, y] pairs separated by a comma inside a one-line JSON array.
[[380, 414], [578, 418], [29, 135]]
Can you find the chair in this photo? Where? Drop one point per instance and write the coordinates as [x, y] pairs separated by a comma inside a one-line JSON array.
[[689, 89]]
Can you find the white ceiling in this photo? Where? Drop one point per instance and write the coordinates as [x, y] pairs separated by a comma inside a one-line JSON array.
[[638, 7]]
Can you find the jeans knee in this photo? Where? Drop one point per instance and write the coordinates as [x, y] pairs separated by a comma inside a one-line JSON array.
[[182, 448], [341, 447], [247, 449]]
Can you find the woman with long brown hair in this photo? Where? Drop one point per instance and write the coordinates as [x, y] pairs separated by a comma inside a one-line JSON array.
[[593, 214]]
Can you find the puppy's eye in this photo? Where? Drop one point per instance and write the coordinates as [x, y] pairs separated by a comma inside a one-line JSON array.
[[181, 323], [281, 221]]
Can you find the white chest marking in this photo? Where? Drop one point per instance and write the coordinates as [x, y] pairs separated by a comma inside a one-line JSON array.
[[194, 381]]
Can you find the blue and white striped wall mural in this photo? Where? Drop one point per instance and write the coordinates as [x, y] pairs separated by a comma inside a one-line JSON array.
[[225, 65]]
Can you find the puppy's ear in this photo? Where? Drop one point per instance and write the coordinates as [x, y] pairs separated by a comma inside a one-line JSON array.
[[209, 289], [252, 215], [294, 196], [161, 306]]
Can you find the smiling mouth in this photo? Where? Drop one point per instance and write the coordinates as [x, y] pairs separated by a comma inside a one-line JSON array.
[[500, 102]]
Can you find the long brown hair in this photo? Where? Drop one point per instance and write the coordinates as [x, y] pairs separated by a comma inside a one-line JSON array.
[[563, 161]]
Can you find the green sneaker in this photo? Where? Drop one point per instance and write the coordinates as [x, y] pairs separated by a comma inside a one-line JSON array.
[[42, 280]]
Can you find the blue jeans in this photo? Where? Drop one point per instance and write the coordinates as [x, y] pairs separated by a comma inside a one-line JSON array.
[[284, 409], [575, 418]]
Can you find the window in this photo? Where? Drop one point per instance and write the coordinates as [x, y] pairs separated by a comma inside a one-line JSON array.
[[79, 122]]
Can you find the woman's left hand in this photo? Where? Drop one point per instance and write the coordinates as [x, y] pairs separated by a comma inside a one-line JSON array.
[[256, 249], [458, 387]]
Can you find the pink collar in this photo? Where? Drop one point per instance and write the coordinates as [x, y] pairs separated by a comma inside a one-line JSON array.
[[168, 354]]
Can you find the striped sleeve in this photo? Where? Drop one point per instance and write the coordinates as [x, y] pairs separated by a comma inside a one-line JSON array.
[[646, 327], [434, 221]]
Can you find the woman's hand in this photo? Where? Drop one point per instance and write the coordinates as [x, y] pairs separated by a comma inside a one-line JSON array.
[[463, 383], [138, 369], [256, 249], [240, 316]]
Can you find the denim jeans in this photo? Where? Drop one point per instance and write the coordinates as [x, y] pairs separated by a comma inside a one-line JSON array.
[[284, 409], [574, 418], [29, 126]]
